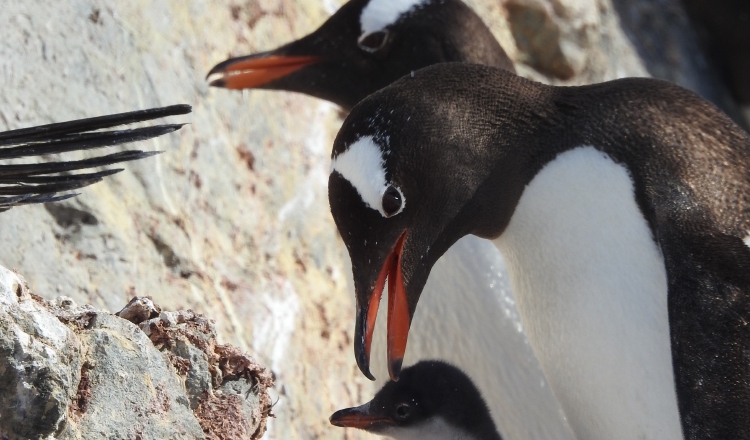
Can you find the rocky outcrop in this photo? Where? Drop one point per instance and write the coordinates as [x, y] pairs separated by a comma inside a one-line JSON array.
[[71, 372], [232, 220]]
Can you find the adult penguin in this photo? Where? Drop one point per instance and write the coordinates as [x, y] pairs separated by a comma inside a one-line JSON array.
[[622, 210], [366, 45]]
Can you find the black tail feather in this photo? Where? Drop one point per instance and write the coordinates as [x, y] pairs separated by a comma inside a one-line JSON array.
[[20, 190], [8, 202], [22, 184], [49, 131], [32, 180], [73, 165], [86, 141]]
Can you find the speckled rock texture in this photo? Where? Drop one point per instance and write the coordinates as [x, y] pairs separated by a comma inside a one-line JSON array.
[[40, 364], [232, 221], [70, 372]]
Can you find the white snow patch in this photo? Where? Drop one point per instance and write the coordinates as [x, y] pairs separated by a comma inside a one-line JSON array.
[[275, 321], [301, 201], [747, 240], [331, 6], [317, 141], [9, 282], [317, 144], [379, 14], [276, 317]]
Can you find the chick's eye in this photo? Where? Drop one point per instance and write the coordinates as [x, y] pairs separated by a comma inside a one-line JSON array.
[[374, 41], [403, 410], [392, 201]]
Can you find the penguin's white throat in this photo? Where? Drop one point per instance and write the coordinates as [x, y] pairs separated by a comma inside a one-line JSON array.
[[591, 287], [434, 428]]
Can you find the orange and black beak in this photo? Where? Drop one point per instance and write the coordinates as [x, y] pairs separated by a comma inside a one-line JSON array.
[[399, 315], [257, 70], [360, 417]]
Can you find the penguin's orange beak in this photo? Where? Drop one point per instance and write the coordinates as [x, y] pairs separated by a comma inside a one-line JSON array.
[[359, 418], [256, 70], [399, 319]]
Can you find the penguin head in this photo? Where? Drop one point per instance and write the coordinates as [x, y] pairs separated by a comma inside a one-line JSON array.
[[430, 397], [411, 174], [366, 45]]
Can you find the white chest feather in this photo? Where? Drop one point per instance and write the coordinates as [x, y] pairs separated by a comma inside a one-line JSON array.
[[591, 288], [434, 429]]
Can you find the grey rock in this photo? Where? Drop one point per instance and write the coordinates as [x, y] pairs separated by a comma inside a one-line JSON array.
[[539, 39], [40, 364], [75, 372], [131, 388], [198, 380]]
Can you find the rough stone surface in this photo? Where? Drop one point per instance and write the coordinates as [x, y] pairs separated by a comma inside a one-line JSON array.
[[70, 372], [40, 364], [227, 389], [233, 220], [131, 388]]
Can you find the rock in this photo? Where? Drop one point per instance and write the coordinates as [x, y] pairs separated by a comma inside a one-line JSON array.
[[538, 38], [40, 364], [73, 372], [128, 388], [139, 309]]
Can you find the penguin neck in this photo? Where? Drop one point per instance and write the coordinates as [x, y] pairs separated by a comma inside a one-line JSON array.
[[591, 287], [466, 38]]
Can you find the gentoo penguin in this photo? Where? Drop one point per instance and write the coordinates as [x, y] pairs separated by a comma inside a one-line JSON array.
[[622, 211], [22, 184], [431, 400], [366, 45]]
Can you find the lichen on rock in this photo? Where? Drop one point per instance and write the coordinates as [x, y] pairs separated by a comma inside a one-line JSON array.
[[72, 372], [227, 388]]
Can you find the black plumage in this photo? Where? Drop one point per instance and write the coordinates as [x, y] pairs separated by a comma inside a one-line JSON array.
[[462, 142], [429, 394]]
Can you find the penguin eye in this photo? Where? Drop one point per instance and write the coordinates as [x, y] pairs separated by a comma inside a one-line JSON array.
[[374, 41], [392, 201], [403, 410]]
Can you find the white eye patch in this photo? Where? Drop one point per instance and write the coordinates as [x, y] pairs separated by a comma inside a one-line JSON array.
[[379, 14], [363, 166]]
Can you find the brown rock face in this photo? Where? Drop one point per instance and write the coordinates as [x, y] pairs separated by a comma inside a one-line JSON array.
[[232, 220]]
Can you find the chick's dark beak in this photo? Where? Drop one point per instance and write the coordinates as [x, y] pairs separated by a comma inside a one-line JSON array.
[[399, 316], [256, 70], [359, 417]]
